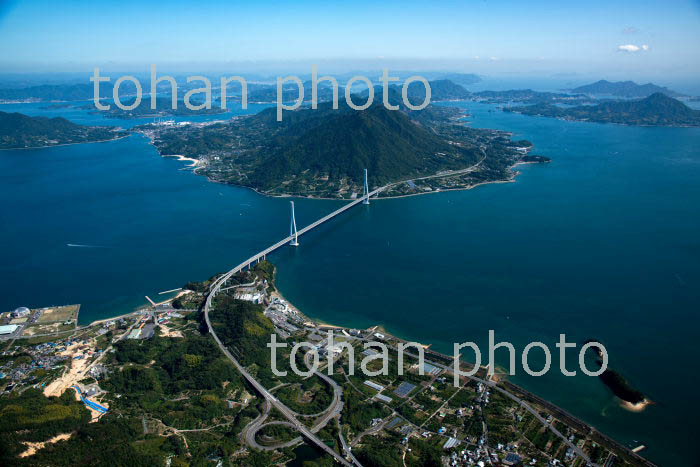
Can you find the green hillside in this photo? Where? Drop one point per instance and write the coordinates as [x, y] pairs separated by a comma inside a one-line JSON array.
[[21, 131], [655, 110], [323, 152], [385, 142], [628, 89]]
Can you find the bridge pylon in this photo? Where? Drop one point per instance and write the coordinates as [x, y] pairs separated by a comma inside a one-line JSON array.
[[365, 193], [293, 228]]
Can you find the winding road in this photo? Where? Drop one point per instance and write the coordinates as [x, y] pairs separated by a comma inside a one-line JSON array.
[[336, 407], [270, 400]]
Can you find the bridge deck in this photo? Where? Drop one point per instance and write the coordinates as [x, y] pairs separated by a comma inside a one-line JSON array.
[[216, 286]]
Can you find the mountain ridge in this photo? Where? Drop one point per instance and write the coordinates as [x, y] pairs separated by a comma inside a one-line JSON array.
[[628, 89], [323, 152], [19, 131], [655, 110]]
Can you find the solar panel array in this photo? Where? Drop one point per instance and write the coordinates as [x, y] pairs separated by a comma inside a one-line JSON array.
[[404, 389]]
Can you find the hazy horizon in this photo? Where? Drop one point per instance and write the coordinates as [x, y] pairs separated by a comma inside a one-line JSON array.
[[493, 81], [596, 40]]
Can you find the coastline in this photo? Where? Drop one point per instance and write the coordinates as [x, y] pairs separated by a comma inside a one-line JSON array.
[[502, 382], [514, 175], [500, 379], [307, 319], [194, 162], [66, 144], [564, 119], [638, 407]]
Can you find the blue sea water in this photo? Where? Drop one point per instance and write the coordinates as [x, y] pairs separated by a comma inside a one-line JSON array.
[[601, 243], [105, 224]]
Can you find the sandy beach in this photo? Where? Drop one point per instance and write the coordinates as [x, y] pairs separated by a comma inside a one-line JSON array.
[[194, 162], [638, 407]]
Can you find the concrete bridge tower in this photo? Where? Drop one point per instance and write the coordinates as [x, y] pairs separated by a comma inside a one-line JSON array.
[[366, 190], [293, 228]]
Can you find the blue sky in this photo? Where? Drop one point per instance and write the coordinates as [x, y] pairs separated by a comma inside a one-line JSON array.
[[481, 36]]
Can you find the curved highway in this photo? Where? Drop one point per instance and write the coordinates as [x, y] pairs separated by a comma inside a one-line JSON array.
[[336, 406], [269, 397]]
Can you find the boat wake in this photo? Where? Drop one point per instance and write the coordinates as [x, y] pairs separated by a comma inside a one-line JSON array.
[[78, 245]]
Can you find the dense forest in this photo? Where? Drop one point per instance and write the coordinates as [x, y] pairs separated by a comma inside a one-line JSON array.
[[21, 131], [30, 416], [243, 328], [154, 372]]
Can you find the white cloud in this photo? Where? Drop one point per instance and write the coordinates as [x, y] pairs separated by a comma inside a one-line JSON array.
[[632, 48]]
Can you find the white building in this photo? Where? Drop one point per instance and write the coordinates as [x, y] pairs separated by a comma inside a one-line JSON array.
[[8, 329], [20, 312], [249, 295]]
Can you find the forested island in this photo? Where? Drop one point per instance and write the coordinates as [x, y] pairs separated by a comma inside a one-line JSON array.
[[164, 108], [531, 159], [54, 92], [323, 152], [441, 90], [267, 93], [620, 387], [626, 89], [19, 131], [528, 96], [655, 110]]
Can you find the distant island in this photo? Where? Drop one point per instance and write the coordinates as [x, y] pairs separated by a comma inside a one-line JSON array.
[[655, 110], [164, 108], [19, 131], [622, 389], [59, 92], [462, 79], [267, 93], [441, 90], [445, 89], [578, 96], [528, 96], [323, 152], [627, 89]]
